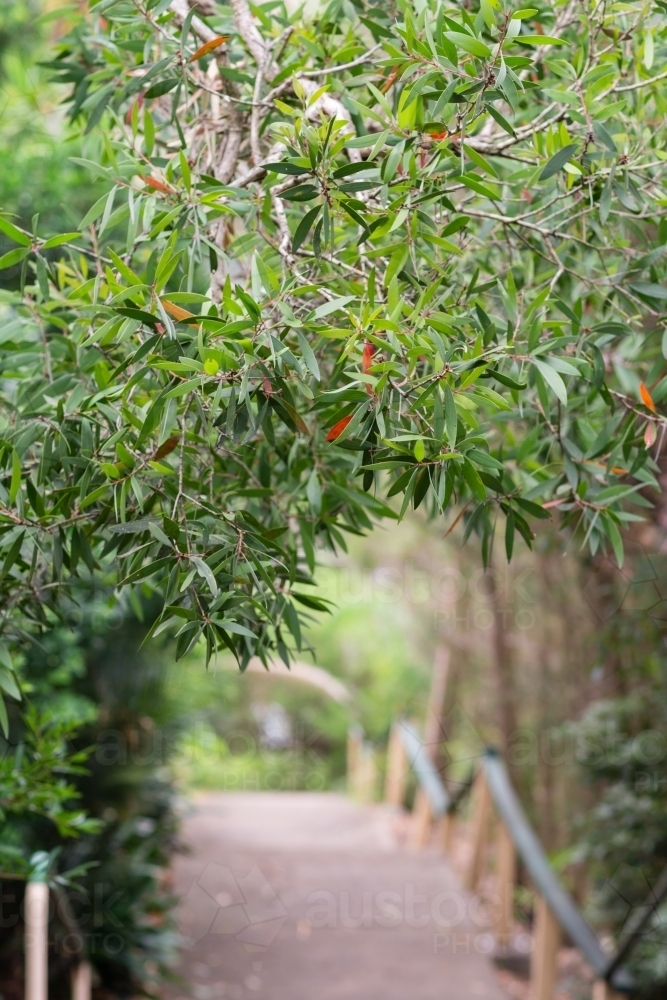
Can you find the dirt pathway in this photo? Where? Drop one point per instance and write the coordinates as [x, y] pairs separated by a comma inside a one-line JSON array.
[[308, 896]]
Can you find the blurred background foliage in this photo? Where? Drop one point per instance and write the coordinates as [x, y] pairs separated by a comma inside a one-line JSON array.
[[38, 176], [562, 661]]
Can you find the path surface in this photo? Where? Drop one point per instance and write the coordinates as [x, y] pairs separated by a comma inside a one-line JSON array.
[[309, 896]]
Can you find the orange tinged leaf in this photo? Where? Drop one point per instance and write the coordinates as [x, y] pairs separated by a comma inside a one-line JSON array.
[[390, 79], [367, 361], [367, 357], [439, 135], [617, 470], [646, 397], [338, 428], [204, 50], [167, 447], [159, 185], [177, 312]]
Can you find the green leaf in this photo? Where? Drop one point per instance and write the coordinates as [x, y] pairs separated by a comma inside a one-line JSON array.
[[180, 390], [283, 167], [451, 417], [468, 44], [533, 508], [614, 537], [93, 496], [471, 476], [161, 88], [501, 120], [9, 229], [308, 356], [13, 257], [553, 380], [304, 227], [558, 161], [204, 571], [650, 290], [333, 306], [539, 40], [15, 485], [509, 536], [57, 241], [8, 684], [603, 136]]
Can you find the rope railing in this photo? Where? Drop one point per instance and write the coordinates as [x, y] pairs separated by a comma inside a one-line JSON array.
[[557, 913]]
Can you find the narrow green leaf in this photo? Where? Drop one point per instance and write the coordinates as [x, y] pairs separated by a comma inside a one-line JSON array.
[[16, 477], [468, 44], [304, 227], [471, 476], [57, 241], [13, 257], [558, 161], [509, 536], [553, 380], [451, 417], [308, 355], [9, 229]]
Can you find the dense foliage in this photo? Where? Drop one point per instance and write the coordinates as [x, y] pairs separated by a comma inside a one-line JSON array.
[[622, 752], [418, 246], [83, 778]]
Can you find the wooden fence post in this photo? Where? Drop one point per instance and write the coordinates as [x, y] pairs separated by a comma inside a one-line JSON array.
[[506, 878], [481, 814], [397, 770], [603, 991], [447, 831], [421, 821], [355, 739], [36, 940], [545, 952], [82, 975]]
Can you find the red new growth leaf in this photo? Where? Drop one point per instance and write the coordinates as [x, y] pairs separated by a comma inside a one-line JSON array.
[[367, 361], [158, 184], [167, 447], [646, 397], [390, 79], [203, 50], [338, 428], [139, 101], [180, 314]]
